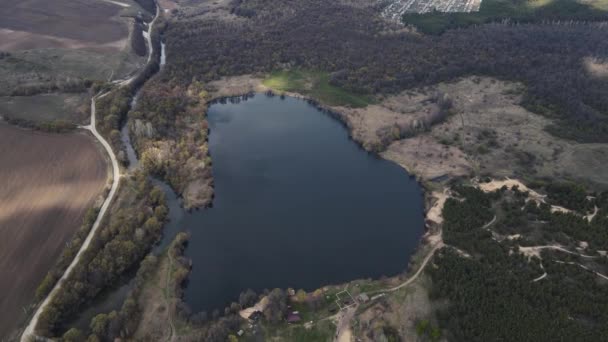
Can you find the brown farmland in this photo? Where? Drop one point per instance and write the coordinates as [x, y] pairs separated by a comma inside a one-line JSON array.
[[29, 24], [48, 183]]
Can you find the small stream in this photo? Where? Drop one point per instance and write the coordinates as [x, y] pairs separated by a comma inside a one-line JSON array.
[[298, 204], [113, 298]]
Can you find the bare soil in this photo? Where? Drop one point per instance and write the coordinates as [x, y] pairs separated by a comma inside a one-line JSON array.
[[49, 181], [596, 67], [62, 23]]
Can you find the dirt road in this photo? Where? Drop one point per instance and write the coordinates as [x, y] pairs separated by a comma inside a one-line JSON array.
[[52, 181], [343, 331], [29, 330]]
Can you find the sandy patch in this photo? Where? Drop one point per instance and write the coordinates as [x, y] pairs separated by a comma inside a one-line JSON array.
[[532, 195], [590, 217], [259, 306], [509, 184], [596, 67], [435, 214]]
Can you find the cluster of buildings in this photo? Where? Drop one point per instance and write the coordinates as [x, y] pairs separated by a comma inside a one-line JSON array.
[[397, 8]]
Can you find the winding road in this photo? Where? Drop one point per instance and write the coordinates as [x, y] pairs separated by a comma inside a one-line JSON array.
[[29, 330]]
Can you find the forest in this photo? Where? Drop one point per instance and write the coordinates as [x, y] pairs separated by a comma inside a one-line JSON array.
[[515, 11], [496, 294], [121, 243], [367, 55], [169, 131]]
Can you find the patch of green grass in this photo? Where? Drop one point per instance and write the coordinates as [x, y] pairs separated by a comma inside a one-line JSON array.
[[316, 85], [319, 332], [516, 10]]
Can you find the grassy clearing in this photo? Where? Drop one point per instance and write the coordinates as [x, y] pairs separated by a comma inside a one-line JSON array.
[[316, 85], [319, 332], [517, 10], [46, 107]]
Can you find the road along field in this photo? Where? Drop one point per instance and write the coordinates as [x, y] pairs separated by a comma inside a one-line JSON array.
[[48, 183]]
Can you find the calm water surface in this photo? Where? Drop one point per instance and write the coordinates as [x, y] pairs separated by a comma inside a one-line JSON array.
[[298, 204]]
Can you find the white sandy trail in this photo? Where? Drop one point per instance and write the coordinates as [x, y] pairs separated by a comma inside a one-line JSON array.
[[29, 330], [121, 4], [584, 267], [535, 251], [343, 330], [420, 269]]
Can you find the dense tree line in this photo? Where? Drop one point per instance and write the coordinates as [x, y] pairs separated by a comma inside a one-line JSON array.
[[464, 217], [367, 55], [111, 111], [112, 108], [491, 292], [123, 240], [54, 126], [570, 195]]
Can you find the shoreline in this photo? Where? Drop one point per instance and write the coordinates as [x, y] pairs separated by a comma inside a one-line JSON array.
[[431, 235]]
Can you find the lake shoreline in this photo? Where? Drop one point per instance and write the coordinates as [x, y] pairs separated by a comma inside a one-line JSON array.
[[428, 189]]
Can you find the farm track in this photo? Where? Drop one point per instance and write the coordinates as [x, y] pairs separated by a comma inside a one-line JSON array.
[[29, 330]]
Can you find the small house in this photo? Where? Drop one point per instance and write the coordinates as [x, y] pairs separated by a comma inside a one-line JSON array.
[[293, 317]]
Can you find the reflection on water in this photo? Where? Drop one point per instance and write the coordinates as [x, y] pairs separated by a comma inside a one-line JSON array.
[[298, 204]]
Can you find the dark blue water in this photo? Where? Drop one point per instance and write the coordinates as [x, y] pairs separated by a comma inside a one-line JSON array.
[[297, 204]]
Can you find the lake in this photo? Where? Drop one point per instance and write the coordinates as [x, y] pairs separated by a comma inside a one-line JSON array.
[[297, 204]]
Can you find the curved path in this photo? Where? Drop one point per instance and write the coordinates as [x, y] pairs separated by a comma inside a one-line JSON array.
[[420, 269], [29, 330], [148, 36], [583, 267], [535, 250]]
